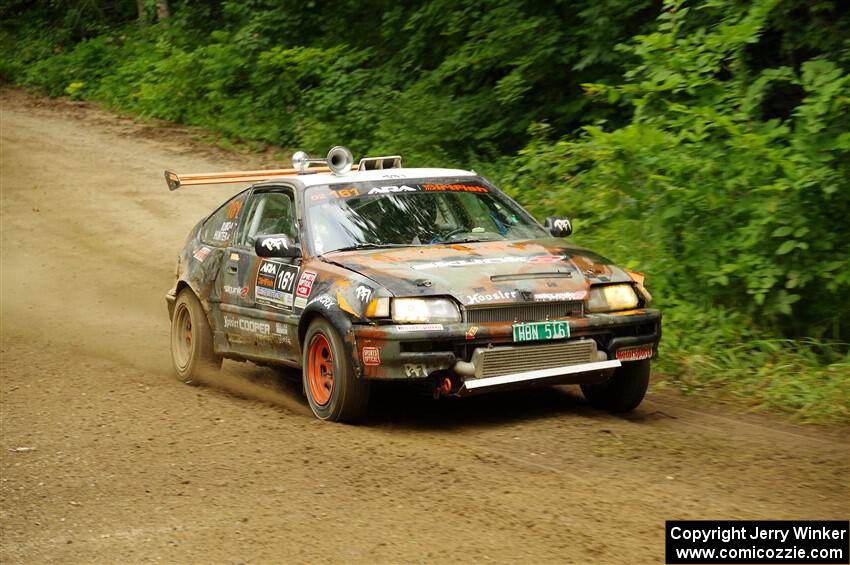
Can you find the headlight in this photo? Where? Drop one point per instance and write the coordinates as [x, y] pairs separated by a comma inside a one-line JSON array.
[[424, 310], [611, 297]]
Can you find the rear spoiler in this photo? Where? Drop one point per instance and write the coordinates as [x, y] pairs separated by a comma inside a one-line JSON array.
[[177, 180], [338, 162]]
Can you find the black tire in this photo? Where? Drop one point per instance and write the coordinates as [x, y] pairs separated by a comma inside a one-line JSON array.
[[191, 340], [624, 391], [345, 398]]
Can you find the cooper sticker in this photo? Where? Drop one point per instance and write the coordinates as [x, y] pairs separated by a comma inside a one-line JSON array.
[[419, 327], [247, 326], [202, 253], [371, 356], [275, 284]]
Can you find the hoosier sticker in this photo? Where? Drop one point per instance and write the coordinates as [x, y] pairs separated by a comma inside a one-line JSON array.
[[275, 284]]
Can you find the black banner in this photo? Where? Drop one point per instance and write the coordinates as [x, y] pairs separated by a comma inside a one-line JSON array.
[[755, 541]]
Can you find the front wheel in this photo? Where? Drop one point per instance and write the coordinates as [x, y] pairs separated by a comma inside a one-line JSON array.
[[624, 391], [333, 391], [191, 339]]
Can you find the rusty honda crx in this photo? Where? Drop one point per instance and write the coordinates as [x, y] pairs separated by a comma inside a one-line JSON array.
[[367, 272]]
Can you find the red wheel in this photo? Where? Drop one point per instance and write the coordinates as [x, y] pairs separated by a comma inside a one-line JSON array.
[[334, 392], [320, 369]]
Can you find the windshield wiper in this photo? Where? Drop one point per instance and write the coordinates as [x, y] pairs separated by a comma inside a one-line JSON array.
[[370, 246], [470, 240]]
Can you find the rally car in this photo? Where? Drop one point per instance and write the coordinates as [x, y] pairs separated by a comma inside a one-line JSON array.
[[356, 273]]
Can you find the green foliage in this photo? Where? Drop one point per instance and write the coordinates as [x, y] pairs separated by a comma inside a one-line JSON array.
[[729, 208], [705, 143]]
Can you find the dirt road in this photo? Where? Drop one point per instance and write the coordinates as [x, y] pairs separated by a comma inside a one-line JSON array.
[[130, 465]]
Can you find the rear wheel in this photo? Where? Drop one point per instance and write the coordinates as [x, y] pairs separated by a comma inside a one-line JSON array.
[[191, 339], [624, 391], [333, 391]]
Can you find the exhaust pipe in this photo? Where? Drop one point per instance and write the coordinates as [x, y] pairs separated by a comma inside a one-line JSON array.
[[443, 388]]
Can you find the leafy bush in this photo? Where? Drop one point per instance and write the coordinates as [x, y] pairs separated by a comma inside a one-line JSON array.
[[729, 208]]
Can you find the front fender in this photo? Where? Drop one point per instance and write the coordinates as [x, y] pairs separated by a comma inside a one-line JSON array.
[[341, 322]]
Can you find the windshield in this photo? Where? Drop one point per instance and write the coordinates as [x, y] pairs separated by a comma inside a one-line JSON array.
[[378, 214]]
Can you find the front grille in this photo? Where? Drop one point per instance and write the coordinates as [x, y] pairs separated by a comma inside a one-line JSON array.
[[525, 312], [498, 361]]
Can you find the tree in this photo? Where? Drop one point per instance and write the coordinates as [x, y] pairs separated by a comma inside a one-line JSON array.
[[163, 12]]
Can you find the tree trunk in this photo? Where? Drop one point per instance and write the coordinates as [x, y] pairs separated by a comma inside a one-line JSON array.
[[140, 6], [162, 10]]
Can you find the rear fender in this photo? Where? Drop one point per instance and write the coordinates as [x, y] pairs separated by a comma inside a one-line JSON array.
[[198, 266]]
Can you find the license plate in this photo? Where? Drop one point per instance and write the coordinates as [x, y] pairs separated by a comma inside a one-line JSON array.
[[540, 331]]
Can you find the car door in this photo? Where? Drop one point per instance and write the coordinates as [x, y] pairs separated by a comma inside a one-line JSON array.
[[258, 292]]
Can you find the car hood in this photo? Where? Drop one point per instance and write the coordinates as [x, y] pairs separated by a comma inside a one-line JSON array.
[[485, 273]]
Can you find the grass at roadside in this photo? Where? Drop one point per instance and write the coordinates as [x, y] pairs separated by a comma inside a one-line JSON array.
[[778, 376]]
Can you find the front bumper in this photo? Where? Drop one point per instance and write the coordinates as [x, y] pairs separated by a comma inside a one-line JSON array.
[[393, 352]]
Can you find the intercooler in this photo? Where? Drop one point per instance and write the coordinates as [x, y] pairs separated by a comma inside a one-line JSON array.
[[498, 361]]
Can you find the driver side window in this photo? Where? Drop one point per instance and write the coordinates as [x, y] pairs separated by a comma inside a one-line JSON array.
[[269, 213]]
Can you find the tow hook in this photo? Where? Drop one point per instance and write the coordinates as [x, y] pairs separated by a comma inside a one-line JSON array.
[[443, 388]]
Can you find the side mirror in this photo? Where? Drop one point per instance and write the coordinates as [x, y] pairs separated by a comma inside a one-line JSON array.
[[276, 246], [559, 227]]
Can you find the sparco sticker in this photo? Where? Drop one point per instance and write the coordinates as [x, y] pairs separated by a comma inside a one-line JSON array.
[[275, 284]]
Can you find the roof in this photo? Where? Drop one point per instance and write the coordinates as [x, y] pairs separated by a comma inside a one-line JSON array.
[[374, 175]]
